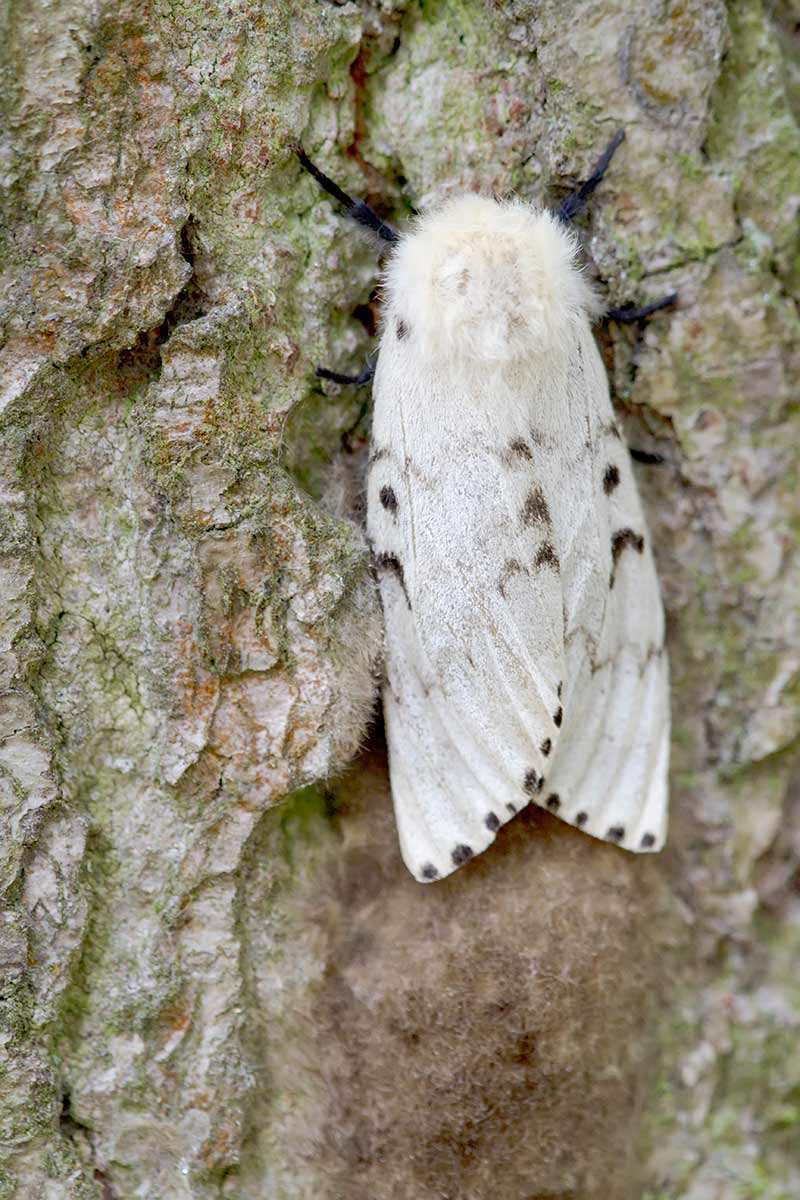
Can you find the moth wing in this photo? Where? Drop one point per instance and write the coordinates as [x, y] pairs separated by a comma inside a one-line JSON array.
[[612, 781], [524, 626], [462, 535]]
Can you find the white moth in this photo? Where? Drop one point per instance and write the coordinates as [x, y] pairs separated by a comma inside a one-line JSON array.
[[524, 628]]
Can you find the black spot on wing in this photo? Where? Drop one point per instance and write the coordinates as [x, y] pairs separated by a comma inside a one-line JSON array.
[[390, 564], [492, 822], [401, 329], [648, 840], [581, 819], [511, 567], [518, 451], [610, 479], [388, 498], [558, 689], [554, 802], [533, 782], [546, 747], [623, 539], [535, 510], [547, 557], [616, 833], [558, 717], [512, 808], [461, 854], [429, 871]]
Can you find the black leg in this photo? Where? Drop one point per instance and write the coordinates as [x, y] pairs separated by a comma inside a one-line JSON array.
[[355, 380], [359, 210], [568, 208], [347, 436], [645, 456], [573, 203], [630, 315]]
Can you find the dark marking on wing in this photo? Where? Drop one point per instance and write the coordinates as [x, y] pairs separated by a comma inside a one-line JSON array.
[[558, 717], [533, 782], [558, 689], [621, 540], [377, 454], [388, 498], [616, 833], [411, 468], [648, 840], [402, 329], [391, 563], [461, 854], [610, 479], [511, 567], [535, 510], [517, 451], [547, 557], [546, 747], [554, 802], [492, 822], [512, 808], [581, 818], [429, 872]]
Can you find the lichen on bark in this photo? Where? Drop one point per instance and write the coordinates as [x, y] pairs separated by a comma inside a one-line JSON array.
[[217, 979]]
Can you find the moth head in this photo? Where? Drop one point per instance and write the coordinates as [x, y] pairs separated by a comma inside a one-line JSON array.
[[483, 281]]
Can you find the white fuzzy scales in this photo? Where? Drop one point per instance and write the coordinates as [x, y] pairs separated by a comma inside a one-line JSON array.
[[524, 627]]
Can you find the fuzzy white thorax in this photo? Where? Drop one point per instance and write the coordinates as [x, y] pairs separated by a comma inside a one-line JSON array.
[[492, 282]]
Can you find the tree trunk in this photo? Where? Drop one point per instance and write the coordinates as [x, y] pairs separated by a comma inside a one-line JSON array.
[[218, 979]]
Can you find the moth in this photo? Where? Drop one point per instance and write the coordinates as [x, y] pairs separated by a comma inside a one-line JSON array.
[[525, 657]]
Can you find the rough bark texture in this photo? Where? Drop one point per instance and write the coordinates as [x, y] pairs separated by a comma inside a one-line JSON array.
[[218, 979]]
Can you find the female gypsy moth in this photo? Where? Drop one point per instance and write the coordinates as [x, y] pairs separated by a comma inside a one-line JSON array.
[[524, 627]]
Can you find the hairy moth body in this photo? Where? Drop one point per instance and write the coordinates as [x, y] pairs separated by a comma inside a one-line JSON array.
[[524, 626]]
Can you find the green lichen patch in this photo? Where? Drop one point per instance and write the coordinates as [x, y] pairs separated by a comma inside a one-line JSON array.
[[755, 132]]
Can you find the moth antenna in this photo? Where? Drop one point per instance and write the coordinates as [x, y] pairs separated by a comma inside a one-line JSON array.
[[629, 314], [572, 205], [358, 210], [353, 380]]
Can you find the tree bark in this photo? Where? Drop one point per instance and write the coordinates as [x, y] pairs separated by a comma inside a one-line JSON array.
[[218, 979]]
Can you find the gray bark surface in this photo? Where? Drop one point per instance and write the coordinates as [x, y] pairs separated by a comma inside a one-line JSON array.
[[217, 979]]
